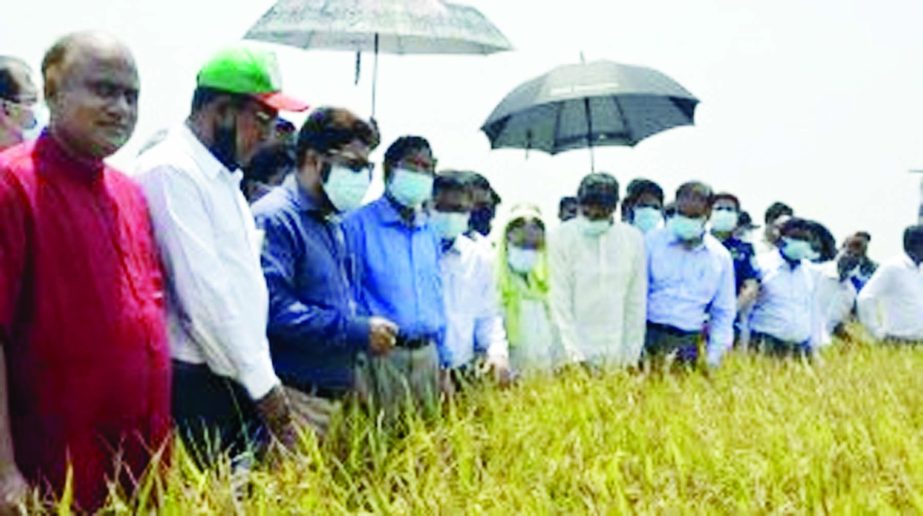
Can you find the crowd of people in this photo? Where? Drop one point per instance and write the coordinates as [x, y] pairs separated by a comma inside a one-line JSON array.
[[234, 288]]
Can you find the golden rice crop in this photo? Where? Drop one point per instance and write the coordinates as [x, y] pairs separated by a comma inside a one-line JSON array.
[[758, 435]]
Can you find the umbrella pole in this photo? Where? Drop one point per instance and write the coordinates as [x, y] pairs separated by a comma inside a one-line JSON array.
[[375, 77], [589, 133]]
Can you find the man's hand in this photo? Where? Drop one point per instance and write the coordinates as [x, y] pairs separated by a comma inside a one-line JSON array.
[[748, 293], [312, 412], [276, 412], [500, 372], [13, 490], [382, 335]]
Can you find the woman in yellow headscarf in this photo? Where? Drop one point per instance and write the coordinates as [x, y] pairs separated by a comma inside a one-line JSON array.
[[522, 276]]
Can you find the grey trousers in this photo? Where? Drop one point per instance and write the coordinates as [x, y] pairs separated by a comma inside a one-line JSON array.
[[405, 378]]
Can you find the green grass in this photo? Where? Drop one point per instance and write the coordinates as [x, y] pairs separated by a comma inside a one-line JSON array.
[[757, 436]]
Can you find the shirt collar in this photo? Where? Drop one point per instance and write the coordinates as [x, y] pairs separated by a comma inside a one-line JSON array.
[[303, 201], [908, 261], [74, 166], [676, 241], [205, 160], [389, 213]]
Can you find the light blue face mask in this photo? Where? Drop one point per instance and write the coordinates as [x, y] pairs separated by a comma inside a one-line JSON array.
[[449, 225], [594, 228], [724, 221], [685, 228], [346, 188], [795, 249], [646, 219], [410, 188], [521, 260]]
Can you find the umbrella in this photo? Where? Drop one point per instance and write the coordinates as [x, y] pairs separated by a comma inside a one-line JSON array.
[[589, 105], [390, 26]]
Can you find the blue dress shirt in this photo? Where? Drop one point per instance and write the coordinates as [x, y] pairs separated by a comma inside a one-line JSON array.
[[397, 271], [314, 332], [688, 286]]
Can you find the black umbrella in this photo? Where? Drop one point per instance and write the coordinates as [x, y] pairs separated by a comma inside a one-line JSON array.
[[589, 105]]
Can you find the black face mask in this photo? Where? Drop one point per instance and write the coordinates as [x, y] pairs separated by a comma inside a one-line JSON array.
[[224, 148], [481, 219]]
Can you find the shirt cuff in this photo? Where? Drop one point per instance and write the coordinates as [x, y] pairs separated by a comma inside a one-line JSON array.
[[357, 333], [260, 379]]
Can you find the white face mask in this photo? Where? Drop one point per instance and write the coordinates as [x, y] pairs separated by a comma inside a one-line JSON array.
[[594, 228], [449, 225], [346, 188], [724, 221], [521, 260], [410, 188]]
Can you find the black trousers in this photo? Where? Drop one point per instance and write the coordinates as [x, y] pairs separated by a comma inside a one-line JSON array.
[[214, 415], [662, 340]]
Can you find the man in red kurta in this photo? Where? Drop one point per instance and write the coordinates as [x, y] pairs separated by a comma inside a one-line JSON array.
[[81, 294]]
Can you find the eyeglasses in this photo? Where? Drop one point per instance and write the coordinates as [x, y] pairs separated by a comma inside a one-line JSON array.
[[418, 164], [350, 161]]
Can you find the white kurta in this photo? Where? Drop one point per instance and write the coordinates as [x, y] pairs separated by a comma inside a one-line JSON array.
[[599, 293]]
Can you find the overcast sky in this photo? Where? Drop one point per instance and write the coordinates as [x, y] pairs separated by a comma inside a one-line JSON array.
[[816, 103]]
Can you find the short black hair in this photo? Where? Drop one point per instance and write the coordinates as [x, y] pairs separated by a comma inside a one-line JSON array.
[[744, 219], [913, 237], [696, 189], [825, 239], [796, 224], [728, 197], [776, 210], [864, 235], [479, 181], [638, 187], [203, 96], [402, 147], [10, 88], [452, 180], [269, 161], [568, 199], [330, 128], [669, 210], [599, 188]]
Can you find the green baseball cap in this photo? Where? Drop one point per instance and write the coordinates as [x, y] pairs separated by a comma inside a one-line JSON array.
[[248, 71]]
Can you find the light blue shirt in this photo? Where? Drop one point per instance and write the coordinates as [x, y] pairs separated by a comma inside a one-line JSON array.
[[688, 286], [786, 307], [396, 271]]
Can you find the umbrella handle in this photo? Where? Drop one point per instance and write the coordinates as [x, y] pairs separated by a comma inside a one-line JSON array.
[[375, 77]]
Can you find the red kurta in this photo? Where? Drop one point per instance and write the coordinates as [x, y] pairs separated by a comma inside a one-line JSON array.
[[82, 308]]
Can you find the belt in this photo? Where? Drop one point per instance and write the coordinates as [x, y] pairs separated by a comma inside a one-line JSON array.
[[413, 343], [671, 330]]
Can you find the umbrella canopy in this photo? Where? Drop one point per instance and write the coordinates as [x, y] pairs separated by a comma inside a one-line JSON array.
[[402, 27], [391, 26], [589, 105]]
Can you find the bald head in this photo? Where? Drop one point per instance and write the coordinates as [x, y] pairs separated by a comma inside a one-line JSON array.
[[91, 86]]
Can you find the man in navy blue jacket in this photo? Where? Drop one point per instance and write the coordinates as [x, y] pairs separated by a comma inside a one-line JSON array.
[[315, 334]]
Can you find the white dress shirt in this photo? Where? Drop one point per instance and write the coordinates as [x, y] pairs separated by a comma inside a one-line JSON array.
[[835, 299], [786, 307], [891, 303], [218, 301], [469, 289], [599, 293]]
